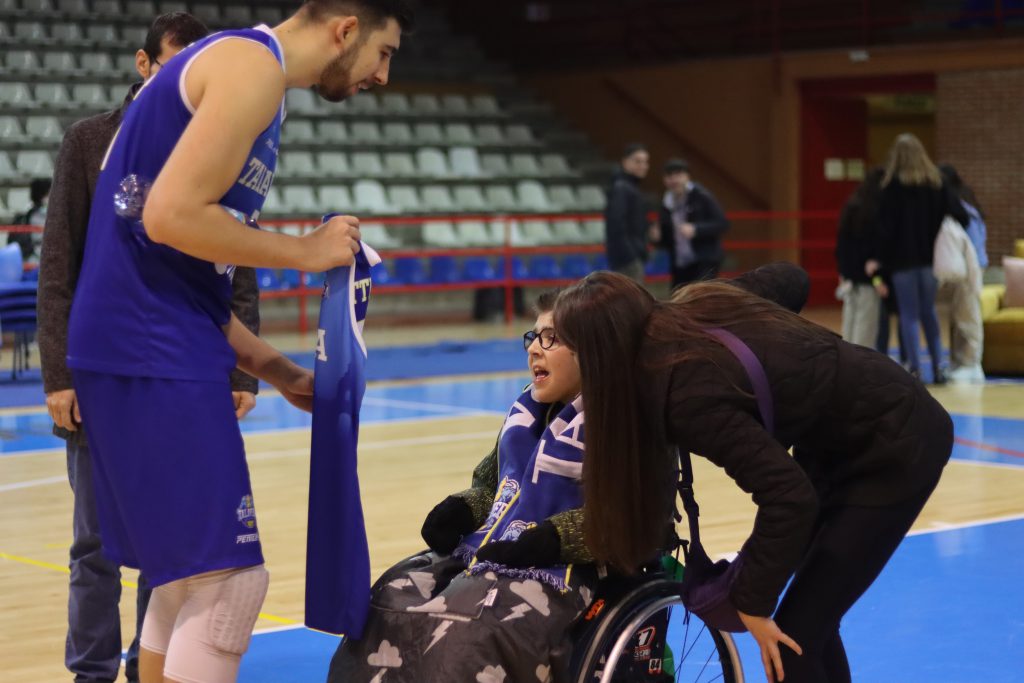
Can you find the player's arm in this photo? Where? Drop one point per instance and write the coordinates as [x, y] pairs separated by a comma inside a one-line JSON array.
[[236, 88], [261, 360]]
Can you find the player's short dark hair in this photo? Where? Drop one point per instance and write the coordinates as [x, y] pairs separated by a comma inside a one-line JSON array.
[[374, 13], [545, 302], [632, 148], [179, 28], [676, 166]]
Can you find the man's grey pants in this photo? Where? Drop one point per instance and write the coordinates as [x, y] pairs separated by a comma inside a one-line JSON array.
[[93, 648]]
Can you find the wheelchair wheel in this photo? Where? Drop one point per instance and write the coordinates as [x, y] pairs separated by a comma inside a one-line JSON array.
[[693, 652]]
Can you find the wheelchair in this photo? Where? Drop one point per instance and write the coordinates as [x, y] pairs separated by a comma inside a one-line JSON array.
[[618, 640]]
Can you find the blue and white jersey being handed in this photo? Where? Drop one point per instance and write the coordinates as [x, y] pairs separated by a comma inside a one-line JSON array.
[[337, 555], [146, 309]]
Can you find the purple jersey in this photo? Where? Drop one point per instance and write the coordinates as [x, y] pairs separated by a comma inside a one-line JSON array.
[[142, 308]]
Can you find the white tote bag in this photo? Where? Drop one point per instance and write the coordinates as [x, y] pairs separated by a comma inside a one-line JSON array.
[[949, 264]]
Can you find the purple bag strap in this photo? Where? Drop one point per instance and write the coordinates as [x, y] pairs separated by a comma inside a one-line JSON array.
[[762, 392], [755, 371]]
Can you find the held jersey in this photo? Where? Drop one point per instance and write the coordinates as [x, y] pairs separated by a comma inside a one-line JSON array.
[[143, 308], [337, 555]]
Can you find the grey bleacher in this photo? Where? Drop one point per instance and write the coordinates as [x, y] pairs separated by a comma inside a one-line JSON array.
[[451, 134]]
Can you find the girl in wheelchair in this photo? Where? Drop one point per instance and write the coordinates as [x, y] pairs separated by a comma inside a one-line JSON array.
[[507, 572]]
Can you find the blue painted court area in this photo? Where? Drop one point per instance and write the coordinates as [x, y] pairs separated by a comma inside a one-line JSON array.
[[943, 610]]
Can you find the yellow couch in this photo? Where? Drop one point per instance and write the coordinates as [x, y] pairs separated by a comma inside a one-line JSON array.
[[1004, 329]]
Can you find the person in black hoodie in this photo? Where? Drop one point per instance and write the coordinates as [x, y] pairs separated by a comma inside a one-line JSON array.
[[625, 215], [869, 442], [691, 226], [914, 202], [862, 299]]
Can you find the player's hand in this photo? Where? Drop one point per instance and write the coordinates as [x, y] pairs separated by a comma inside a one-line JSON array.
[[63, 408], [335, 243], [245, 401], [297, 388], [768, 636], [689, 230]]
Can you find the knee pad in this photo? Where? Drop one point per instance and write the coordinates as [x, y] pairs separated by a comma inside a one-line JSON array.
[[236, 608]]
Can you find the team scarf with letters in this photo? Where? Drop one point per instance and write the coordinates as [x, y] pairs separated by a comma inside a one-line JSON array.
[[540, 466]]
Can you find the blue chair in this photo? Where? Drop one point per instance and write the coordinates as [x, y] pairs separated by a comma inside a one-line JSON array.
[[10, 264], [18, 316], [443, 270], [410, 271], [289, 279], [601, 262], [575, 266], [478, 269], [267, 279], [381, 275], [31, 275], [519, 271], [315, 279], [544, 268], [658, 265]]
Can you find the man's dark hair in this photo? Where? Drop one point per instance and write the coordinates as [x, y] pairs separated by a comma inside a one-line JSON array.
[[676, 166], [374, 13], [633, 148], [181, 29], [38, 189]]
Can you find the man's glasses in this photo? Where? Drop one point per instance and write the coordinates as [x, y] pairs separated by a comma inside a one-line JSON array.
[[547, 336]]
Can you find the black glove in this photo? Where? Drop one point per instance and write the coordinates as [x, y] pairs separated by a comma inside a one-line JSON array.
[[538, 546], [446, 524]]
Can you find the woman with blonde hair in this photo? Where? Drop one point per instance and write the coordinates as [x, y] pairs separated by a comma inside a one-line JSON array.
[[914, 202]]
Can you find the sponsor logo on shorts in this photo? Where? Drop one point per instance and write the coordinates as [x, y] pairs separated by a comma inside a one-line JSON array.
[[246, 511], [246, 538]]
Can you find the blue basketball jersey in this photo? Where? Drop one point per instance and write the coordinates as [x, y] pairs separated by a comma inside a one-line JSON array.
[[143, 308], [337, 556]]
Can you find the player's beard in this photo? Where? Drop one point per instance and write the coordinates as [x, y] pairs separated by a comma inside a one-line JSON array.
[[336, 78]]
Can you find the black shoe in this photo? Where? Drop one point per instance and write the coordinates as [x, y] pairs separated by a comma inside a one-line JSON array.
[[939, 377], [915, 373]]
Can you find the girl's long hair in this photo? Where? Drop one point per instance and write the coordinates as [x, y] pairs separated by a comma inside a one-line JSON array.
[[629, 462], [910, 164]]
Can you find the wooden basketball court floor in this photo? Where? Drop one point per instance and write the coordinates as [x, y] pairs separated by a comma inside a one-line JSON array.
[[948, 608]]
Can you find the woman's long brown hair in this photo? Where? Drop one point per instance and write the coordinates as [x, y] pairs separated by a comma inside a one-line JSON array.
[[628, 471]]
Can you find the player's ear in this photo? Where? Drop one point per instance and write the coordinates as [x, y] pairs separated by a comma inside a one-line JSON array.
[[142, 64], [347, 30]]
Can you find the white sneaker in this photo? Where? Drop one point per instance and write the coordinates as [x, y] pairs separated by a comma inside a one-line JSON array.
[[967, 374]]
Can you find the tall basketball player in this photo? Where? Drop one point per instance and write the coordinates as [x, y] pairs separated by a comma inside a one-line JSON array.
[[152, 339]]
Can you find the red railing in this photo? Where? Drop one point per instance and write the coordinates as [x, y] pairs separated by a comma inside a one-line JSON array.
[[745, 252]]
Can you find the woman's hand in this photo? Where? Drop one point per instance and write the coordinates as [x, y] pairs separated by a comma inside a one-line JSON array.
[[768, 636]]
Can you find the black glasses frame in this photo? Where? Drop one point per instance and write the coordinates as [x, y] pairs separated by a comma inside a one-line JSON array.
[[547, 334]]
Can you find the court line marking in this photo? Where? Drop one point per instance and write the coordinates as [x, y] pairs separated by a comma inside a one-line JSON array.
[[300, 452], [978, 445], [32, 483], [18, 559], [380, 445], [469, 412]]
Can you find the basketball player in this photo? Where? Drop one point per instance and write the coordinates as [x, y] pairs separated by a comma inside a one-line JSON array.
[[152, 340]]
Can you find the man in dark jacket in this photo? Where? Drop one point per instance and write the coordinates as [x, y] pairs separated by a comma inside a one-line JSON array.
[[625, 215], [93, 648], [692, 224]]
